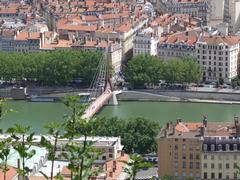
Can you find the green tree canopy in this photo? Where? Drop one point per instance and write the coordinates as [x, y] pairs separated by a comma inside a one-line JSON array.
[[49, 68], [144, 68], [138, 134]]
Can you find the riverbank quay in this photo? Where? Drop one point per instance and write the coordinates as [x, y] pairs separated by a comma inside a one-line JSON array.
[[180, 96]]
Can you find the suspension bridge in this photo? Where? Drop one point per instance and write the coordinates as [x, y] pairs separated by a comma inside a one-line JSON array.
[[101, 90]]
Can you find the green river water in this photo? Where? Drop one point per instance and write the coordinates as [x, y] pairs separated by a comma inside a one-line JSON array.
[[36, 114]]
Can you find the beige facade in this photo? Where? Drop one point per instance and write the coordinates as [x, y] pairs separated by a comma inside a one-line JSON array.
[[220, 165], [199, 150], [179, 157]]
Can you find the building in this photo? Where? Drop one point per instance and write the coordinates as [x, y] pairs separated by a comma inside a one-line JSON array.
[[218, 56], [178, 44], [202, 150], [231, 15], [145, 42], [195, 8]]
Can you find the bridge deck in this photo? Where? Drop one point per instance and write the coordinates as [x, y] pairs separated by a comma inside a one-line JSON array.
[[96, 105]]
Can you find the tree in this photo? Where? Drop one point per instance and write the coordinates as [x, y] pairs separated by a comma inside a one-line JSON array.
[[192, 70], [80, 155], [221, 81], [137, 134], [236, 81], [22, 144], [53, 130], [148, 69], [135, 164], [143, 69], [49, 68], [5, 146]]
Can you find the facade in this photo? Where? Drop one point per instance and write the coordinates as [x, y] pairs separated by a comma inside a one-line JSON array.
[[145, 42], [178, 45], [218, 56], [195, 8], [110, 147], [231, 15], [202, 150]]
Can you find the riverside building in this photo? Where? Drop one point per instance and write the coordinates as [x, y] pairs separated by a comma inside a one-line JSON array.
[[218, 56], [201, 150]]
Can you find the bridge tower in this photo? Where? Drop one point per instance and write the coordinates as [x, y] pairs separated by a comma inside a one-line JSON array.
[[102, 80]]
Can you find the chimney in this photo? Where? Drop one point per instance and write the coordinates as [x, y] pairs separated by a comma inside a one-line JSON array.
[[167, 125], [173, 130], [165, 133], [114, 164], [205, 121], [236, 120], [178, 120], [202, 131]]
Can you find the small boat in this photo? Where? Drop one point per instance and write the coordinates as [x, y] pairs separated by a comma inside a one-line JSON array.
[[41, 99]]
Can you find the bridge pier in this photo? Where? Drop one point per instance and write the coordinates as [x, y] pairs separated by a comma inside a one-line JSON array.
[[113, 100]]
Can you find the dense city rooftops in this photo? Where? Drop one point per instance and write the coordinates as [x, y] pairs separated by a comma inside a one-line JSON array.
[[216, 40], [201, 130]]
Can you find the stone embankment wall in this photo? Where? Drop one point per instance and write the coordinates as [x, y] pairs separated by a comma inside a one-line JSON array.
[[177, 95]]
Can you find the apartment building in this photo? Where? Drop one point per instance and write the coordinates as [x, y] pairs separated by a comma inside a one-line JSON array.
[[218, 56], [195, 8], [145, 42], [201, 150], [178, 44]]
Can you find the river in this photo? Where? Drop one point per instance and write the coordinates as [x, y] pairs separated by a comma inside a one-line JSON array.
[[38, 114]]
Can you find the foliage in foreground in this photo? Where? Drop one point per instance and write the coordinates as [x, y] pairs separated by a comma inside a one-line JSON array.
[[148, 69], [137, 134], [135, 164]]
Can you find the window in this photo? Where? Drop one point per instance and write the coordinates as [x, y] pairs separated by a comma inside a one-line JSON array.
[[205, 165], [227, 166], [235, 165], [197, 156], [110, 150], [191, 156], [219, 175], [205, 156], [184, 156], [191, 165], [184, 165], [110, 155], [219, 166], [212, 157], [212, 166], [197, 165], [213, 175], [235, 175], [176, 147], [205, 175]]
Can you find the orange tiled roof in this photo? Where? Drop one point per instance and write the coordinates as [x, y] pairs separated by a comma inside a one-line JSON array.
[[27, 35], [11, 173]]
